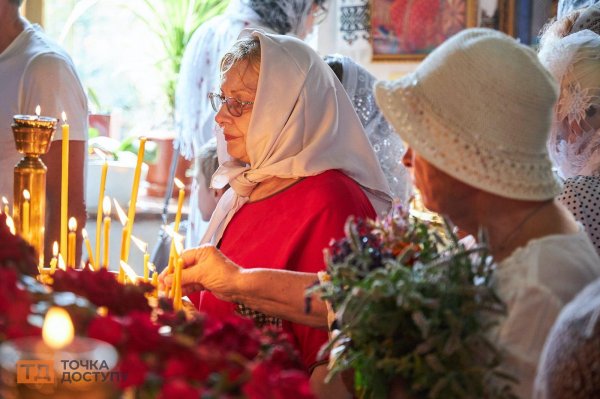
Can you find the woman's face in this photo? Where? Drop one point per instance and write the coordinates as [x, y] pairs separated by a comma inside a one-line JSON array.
[[239, 82], [440, 192]]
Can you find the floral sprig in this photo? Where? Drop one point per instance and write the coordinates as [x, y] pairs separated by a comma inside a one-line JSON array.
[[413, 307]]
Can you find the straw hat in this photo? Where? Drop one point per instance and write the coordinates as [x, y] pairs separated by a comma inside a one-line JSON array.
[[479, 108]]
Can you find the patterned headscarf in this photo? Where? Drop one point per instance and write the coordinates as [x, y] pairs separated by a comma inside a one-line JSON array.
[[386, 143], [284, 16], [574, 144], [566, 6]]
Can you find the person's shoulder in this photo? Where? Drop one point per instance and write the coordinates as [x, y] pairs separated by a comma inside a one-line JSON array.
[[332, 187]]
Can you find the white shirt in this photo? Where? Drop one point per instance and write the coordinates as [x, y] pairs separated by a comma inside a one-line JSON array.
[[535, 282], [35, 70]]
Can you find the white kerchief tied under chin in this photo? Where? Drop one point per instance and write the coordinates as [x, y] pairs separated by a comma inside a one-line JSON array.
[[306, 130], [234, 174]]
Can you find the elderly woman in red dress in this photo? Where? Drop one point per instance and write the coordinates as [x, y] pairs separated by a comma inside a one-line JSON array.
[[300, 164]]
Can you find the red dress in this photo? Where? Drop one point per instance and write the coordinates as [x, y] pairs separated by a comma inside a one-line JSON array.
[[289, 230]]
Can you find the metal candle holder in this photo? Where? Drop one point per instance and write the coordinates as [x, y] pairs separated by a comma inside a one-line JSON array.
[[33, 135]]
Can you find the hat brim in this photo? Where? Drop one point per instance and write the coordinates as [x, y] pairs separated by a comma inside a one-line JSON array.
[[471, 160]]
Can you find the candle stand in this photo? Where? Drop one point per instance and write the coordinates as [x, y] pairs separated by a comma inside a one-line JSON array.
[[33, 135]]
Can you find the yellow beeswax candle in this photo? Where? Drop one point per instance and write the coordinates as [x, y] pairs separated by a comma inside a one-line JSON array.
[[54, 260], [178, 271], [6, 208], [88, 246], [134, 194], [25, 217], [64, 187], [124, 236], [106, 211], [155, 283], [100, 204], [71, 243]]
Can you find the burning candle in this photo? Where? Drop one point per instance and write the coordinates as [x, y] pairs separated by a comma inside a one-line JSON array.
[[57, 330], [64, 186], [142, 246], [99, 213], [10, 223], [71, 243], [106, 211], [129, 272], [6, 209], [25, 217], [61, 262], [88, 246], [125, 234], [54, 260], [172, 257], [134, 195]]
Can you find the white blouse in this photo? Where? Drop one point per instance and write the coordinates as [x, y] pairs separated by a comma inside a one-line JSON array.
[[535, 282]]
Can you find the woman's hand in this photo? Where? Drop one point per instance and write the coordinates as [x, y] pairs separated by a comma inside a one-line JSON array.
[[206, 268]]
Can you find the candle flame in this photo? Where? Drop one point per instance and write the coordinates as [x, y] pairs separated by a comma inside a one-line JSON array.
[[38, 110], [61, 263], [129, 272], [64, 117], [91, 267], [4, 200], [11, 225], [26, 195], [55, 248], [57, 330], [179, 184], [151, 267], [72, 224], [120, 212], [106, 206], [171, 233], [142, 246], [84, 234]]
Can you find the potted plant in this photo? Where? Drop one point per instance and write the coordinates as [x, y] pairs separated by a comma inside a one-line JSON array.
[[174, 23]]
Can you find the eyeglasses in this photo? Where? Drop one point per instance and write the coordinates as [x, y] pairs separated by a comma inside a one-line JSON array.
[[234, 106]]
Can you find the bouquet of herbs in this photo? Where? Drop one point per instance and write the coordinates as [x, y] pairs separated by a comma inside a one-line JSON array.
[[413, 307]]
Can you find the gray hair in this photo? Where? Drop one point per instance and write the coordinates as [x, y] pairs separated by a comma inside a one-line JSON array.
[[245, 49]]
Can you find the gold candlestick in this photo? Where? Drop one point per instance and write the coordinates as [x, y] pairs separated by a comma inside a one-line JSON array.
[[33, 135]]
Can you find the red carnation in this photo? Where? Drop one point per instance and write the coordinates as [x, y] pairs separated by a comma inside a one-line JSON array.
[[178, 389], [106, 329]]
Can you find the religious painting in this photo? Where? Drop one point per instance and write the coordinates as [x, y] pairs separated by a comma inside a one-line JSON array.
[[410, 29]]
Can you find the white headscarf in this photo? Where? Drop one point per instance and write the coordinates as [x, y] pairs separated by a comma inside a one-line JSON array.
[[574, 144], [199, 75], [386, 143], [303, 123]]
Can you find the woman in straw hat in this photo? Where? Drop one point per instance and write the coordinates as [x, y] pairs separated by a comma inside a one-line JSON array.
[[476, 115], [299, 165]]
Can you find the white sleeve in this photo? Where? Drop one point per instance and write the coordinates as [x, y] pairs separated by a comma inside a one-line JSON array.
[[50, 81], [522, 334]]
